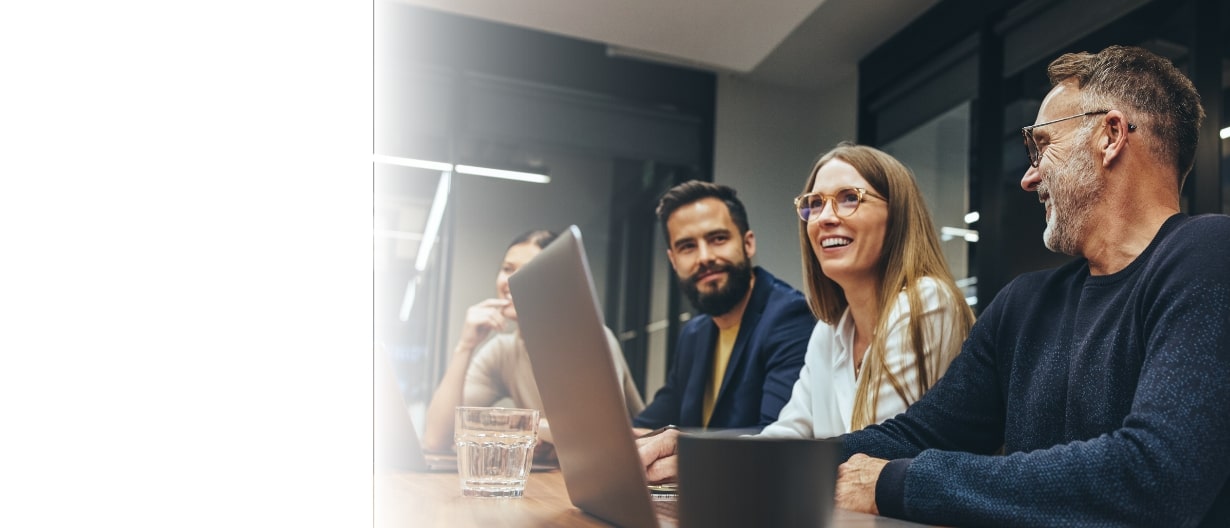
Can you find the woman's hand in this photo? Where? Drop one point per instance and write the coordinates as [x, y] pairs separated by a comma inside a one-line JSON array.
[[481, 319]]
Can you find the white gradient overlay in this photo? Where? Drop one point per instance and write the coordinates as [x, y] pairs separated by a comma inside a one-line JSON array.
[[186, 286]]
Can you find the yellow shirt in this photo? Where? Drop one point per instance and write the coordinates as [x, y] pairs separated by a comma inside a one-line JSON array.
[[721, 357]]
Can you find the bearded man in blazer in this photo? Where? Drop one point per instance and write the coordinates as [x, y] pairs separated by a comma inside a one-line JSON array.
[[736, 362]]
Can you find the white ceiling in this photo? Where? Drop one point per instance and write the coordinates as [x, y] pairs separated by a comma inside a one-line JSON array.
[[798, 43]]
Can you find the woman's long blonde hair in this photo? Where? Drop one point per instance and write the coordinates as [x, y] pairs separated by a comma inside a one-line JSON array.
[[910, 252]]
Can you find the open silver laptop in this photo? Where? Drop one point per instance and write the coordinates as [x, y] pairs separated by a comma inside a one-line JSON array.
[[559, 318]]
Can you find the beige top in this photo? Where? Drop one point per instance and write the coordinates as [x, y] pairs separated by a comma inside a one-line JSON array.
[[500, 369]]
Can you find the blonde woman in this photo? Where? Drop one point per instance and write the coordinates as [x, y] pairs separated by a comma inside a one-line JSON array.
[[891, 318]]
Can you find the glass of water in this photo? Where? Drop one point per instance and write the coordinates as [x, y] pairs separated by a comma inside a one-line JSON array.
[[495, 447]]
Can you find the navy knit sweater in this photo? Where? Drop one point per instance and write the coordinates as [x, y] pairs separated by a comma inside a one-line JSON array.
[[1110, 396]]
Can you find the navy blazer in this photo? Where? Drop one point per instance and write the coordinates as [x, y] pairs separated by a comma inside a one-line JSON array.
[[763, 366]]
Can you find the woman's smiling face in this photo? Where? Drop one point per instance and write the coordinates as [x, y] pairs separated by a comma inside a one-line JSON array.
[[848, 247], [516, 257]]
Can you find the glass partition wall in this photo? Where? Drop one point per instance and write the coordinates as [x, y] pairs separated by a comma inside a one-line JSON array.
[[949, 94], [925, 120], [936, 152]]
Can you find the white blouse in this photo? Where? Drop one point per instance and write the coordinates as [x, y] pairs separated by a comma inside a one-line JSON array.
[[822, 402]]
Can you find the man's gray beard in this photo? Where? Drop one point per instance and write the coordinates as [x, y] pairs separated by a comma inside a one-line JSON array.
[[1079, 186]]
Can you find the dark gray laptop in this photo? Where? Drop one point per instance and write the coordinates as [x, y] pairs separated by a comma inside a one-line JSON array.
[[741, 481], [559, 318]]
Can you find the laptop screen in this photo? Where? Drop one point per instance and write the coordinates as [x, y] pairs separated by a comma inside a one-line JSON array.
[[561, 323]]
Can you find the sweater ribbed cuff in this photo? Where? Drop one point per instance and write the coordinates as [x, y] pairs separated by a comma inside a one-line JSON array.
[[890, 488]]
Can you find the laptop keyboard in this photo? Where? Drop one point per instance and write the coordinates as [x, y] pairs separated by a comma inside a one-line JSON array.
[[666, 506]]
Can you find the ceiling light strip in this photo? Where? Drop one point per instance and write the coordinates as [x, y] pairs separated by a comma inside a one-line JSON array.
[[505, 174], [441, 166], [411, 162]]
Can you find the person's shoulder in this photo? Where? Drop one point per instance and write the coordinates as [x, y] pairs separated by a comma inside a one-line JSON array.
[[929, 286], [931, 293], [691, 334], [1212, 220], [823, 331], [930, 290], [1196, 244], [779, 289], [1023, 289], [1048, 286], [1033, 280], [497, 350], [697, 323], [1201, 228]]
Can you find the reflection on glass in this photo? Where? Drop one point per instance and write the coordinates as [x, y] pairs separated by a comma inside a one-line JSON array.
[[403, 198], [938, 153]]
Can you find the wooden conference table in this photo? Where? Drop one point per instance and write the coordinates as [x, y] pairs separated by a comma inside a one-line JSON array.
[[411, 499]]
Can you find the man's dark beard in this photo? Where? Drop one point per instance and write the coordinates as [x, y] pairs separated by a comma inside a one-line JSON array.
[[738, 282]]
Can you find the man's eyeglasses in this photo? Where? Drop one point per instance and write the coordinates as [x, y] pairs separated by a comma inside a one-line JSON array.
[[1031, 145], [845, 202]]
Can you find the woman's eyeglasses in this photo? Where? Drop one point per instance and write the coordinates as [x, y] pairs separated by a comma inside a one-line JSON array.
[[845, 202]]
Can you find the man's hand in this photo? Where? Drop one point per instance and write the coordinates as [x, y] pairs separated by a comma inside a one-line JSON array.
[[658, 456], [856, 483]]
